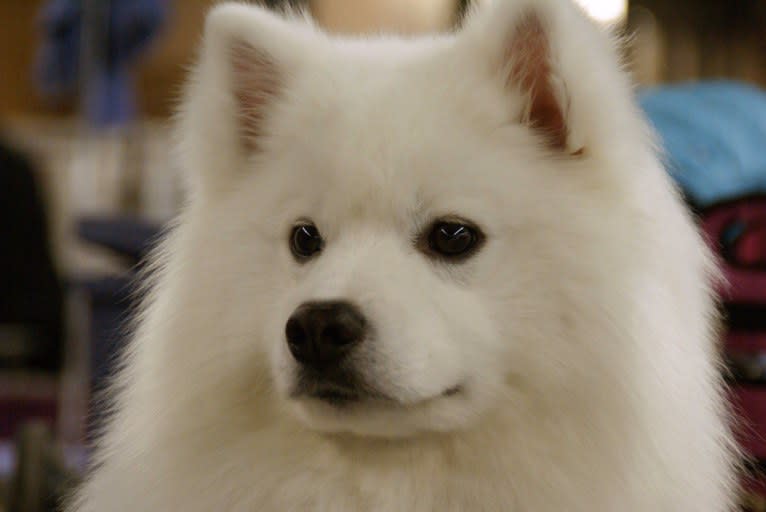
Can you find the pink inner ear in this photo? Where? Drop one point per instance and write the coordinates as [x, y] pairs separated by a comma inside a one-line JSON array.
[[255, 82], [528, 52]]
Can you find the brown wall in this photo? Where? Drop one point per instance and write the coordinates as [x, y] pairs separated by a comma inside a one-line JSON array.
[[17, 46], [164, 69], [707, 39]]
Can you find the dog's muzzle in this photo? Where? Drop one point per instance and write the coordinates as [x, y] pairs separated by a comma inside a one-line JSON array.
[[321, 336]]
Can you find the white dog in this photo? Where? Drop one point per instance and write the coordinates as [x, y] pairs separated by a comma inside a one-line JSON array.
[[442, 274]]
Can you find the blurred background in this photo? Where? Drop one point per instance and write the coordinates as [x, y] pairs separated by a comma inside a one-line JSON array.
[[87, 179]]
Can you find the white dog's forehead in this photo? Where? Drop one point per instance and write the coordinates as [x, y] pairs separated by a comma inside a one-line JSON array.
[[382, 141]]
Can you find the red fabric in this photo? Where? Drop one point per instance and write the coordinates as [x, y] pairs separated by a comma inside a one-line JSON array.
[[736, 230], [15, 412]]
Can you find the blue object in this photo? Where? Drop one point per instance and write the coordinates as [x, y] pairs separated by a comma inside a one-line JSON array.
[[128, 236], [714, 137], [119, 31], [112, 298]]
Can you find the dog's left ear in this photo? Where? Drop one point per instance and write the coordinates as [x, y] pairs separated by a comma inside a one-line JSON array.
[[534, 49], [248, 57], [528, 66]]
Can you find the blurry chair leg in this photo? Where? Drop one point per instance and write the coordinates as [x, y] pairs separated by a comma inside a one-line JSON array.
[[41, 478]]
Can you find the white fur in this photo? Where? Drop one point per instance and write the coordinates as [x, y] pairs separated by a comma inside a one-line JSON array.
[[582, 332]]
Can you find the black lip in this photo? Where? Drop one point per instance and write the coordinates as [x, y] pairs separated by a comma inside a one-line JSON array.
[[342, 387], [336, 397], [329, 394], [453, 390], [336, 388], [339, 396]]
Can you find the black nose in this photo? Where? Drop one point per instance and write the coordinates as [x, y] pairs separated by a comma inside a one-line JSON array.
[[320, 334]]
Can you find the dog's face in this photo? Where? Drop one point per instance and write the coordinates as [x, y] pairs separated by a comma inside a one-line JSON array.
[[390, 224]]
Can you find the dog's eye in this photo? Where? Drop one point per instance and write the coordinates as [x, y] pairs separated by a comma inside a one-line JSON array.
[[305, 241], [453, 240]]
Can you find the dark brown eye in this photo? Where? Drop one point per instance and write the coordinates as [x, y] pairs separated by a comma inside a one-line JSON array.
[[453, 240], [305, 241]]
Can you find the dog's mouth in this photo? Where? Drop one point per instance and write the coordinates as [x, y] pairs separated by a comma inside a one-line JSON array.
[[346, 392], [338, 398]]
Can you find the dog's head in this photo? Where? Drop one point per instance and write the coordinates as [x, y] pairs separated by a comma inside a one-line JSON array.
[[394, 234]]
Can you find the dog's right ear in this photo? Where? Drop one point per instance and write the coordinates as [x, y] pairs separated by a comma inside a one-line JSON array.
[[246, 61]]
